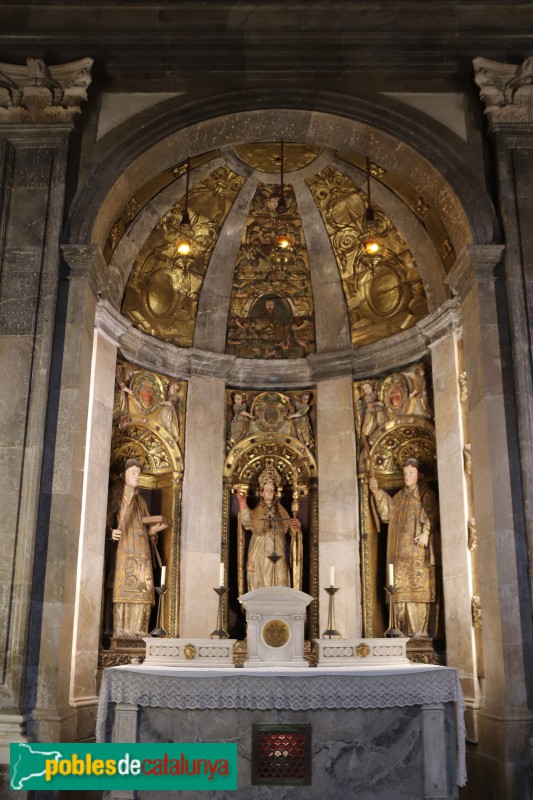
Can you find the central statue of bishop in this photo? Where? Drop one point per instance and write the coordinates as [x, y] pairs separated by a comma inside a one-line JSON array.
[[275, 551]]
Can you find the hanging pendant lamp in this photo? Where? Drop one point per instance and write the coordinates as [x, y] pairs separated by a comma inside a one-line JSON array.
[[281, 239], [371, 244], [183, 244]]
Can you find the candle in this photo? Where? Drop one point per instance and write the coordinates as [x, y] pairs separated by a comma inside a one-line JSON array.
[[163, 575], [221, 574], [331, 576], [391, 574]]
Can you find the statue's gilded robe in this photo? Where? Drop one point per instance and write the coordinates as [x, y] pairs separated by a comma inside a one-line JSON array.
[[133, 582], [269, 526], [410, 513]]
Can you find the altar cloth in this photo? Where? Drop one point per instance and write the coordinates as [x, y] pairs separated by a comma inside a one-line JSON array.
[[294, 689]]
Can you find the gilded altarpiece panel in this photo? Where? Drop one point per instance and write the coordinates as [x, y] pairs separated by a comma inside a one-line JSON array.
[[271, 310], [148, 425], [273, 430], [161, 296], [394, 422], [384, 292]]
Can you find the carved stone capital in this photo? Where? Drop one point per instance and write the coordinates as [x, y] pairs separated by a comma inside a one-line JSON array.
[[474, 263], [86, 261], [40, 94], [505, 89]]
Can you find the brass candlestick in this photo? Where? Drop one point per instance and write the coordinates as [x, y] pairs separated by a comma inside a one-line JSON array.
[[220, 632], [331, 590], [392, 631], [159, 630]]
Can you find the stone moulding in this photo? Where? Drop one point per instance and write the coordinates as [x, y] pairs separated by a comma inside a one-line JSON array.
[[37, 93], [361, 652], [189, 653]]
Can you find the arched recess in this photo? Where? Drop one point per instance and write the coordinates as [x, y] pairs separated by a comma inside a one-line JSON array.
[[428, 157], [162, 480], [298, 493]]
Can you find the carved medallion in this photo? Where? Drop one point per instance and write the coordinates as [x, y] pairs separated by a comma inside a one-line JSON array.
[[276, 633], [148, 391], [189, 651], [270, 410], [363, 650], [395, 393]]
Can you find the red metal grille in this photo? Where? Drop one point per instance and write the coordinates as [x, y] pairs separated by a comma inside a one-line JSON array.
[[281, 756]]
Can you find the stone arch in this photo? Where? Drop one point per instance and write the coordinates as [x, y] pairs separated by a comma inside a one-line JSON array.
[[298, 470], [424, 152]]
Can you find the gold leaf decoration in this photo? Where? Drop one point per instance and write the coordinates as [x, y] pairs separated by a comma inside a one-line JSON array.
[[384, 293], [271, 311], [162, 293]]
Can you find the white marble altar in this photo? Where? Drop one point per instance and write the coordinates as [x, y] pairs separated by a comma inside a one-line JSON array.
[[377, 733], [275, 617]]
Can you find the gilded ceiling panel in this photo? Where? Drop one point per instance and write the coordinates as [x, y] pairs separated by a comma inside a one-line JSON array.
[[384, 292], [271, 311], [162, 293]]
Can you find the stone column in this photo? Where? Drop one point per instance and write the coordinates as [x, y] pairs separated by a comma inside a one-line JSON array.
[[36, 117], [202, 505], [63, 572], [457, 575], [507, 92], [504, 720], [338, 505]]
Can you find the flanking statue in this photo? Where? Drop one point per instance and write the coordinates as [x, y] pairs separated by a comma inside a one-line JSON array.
[[135, 533], [412, 549], [275, 550]]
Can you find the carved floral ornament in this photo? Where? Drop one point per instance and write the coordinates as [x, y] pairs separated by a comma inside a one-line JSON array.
[[505, 89], [38, 93]]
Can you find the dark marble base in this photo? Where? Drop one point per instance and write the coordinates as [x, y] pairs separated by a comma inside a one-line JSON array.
[[368, 754]]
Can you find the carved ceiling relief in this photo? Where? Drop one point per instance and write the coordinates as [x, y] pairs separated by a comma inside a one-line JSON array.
[[161, 297], [145, 194], [384, 293], [148, 420], [271, 311], [255, 413]]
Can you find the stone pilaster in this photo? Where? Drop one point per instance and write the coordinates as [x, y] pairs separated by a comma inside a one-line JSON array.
[[338, 505], [507, 92], [202, 505], [504, 720], [62, 569], [444, 334], [36, 111]]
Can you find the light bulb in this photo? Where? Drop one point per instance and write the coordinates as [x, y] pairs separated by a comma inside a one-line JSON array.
[[184, 247], [371, 247], [283, 241]]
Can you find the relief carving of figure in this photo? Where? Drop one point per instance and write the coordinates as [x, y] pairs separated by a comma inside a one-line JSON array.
[[133, 582], [273, 531], [123, 375], [301, 426], [373, 410], [169, 415], [412, 548], [240, 423]]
